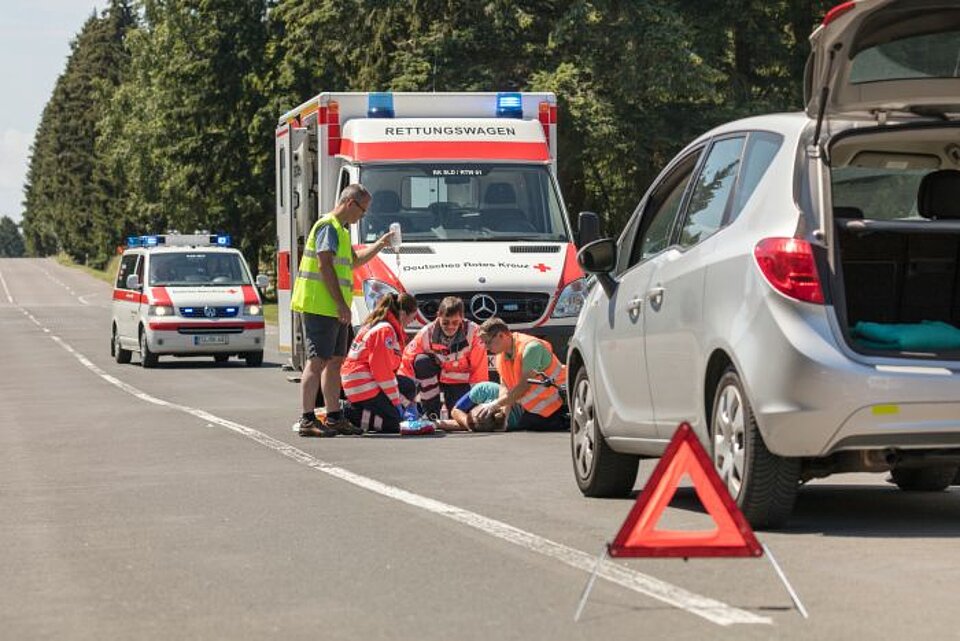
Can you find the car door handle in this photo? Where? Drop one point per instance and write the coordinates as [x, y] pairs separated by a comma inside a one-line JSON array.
[[655, 296], [635, 306]]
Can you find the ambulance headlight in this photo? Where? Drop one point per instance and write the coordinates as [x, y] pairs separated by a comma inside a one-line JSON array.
[[252, 310], [373, 290], [570, 299], [160, 310]]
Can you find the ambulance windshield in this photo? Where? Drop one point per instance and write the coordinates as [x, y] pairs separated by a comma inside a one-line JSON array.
[[459, 202], [197, 269]]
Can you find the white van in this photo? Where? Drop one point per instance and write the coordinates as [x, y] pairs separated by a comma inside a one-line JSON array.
[[186, 295]]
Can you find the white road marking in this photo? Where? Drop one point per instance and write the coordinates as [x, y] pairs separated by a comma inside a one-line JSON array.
[[6, 289], [704, 607], [83, 299]]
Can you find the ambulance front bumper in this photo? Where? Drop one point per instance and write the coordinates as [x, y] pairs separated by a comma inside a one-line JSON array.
[[185, 338]]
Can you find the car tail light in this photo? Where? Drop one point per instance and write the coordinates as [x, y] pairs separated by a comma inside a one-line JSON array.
[[788, 265]]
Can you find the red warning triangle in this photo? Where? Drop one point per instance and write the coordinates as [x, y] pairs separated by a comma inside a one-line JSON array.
[[639, 535]]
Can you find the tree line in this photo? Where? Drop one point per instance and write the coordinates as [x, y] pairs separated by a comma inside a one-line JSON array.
[[163, 117]]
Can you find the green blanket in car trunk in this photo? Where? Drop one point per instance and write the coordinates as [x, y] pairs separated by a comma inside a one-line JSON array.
[[925, 336]]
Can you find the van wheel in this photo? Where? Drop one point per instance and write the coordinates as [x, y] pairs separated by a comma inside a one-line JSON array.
[[119, 354], [763, 484], [147, 358], [600, 472], [935, 478], [221, 358], [253, 359]]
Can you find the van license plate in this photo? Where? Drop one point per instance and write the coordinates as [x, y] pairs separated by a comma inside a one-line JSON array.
[[210, 339]]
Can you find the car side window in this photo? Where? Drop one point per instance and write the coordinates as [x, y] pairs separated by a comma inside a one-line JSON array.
[[127, 266], [762, 148], [711, 191], [661, 212]]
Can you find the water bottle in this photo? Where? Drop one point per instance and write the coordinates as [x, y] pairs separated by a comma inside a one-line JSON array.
[[395, 240]]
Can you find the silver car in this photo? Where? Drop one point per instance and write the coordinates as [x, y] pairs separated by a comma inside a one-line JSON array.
[[790, 284]]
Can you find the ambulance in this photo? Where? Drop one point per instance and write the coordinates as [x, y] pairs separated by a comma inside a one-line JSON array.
[[471, 179], [186, 295]]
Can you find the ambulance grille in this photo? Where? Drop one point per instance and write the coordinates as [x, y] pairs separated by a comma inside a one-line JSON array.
[[534, 249], [511, 307]]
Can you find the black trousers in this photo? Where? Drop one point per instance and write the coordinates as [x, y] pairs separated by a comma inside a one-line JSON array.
[[557, 421], [427, 371], [378, 414]]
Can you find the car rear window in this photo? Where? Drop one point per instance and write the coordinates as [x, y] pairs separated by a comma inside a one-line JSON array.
[[935, 55]]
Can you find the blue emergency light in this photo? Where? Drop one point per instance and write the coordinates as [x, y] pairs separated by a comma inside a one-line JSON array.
[[509, 104], [220, 240], [380, 104], [150, 241], [133, 241]]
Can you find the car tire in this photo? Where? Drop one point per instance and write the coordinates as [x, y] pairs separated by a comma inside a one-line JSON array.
[[763, 484], [119, 354], [148, 359], [934, 478], [221, 358], [253, 359], [600, 472]]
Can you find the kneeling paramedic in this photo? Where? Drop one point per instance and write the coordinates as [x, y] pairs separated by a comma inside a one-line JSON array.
[[379, 399], [521, 358], [445, 356]]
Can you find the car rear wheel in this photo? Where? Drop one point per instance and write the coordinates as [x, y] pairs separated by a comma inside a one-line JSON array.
[[600, 471], [147, 358], [119, 354], [253, 359], [935, 478], [763, 484]]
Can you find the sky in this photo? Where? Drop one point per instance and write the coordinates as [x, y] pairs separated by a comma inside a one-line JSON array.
[[35, 38]]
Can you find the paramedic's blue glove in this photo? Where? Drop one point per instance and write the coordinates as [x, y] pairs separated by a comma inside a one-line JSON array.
[[410, 413], [401, 412]]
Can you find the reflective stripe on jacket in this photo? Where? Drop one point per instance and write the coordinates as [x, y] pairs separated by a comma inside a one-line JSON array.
[[542, 400], [371, 364], [309, 291], [465, 364]]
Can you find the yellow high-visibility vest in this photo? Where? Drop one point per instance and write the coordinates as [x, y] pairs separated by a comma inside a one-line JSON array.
[[310, 293]]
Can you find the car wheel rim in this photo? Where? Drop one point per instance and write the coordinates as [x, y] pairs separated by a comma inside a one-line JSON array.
[[116, 344], [729, 438], [584, 426]]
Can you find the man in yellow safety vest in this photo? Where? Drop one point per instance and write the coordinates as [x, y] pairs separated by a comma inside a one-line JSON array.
[[520, 359], [322, 294]]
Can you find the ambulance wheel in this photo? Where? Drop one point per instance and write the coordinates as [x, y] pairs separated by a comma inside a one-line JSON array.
[[763, 484], [600, 472], [253, 359], [119, 354], [221, 358], [147, 358]]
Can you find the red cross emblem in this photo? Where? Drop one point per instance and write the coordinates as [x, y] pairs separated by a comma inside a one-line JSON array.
[[543, 268]]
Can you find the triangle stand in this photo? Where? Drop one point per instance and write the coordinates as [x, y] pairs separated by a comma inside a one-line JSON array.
[[731, 536]]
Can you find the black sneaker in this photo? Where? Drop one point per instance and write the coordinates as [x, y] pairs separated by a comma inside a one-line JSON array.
[[343, 426], [314, 428]]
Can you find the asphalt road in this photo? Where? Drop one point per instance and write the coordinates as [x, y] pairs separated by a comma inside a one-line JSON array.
[[176, 503]]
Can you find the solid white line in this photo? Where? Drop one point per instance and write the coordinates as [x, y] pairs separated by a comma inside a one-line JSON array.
[[6, 289], [707, 608]]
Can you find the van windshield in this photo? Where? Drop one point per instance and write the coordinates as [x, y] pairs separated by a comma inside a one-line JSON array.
[[454, 202], [203, 269]]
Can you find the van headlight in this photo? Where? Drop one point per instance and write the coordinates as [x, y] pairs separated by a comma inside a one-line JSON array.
[[160, 310], [570, 300], [373, 290], [252, 310]]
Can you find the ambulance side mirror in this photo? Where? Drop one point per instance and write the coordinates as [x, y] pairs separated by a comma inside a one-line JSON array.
[[133, 281], [588, 228], [263, 281]]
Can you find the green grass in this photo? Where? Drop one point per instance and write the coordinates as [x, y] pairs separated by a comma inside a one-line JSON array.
[[106, 275], [270, 313]]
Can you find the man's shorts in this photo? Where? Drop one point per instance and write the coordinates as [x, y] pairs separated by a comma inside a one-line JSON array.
[[325, 336]]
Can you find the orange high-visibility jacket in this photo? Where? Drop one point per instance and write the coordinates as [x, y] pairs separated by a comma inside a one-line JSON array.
[[465, 363], [543, 400], [371, 364]]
